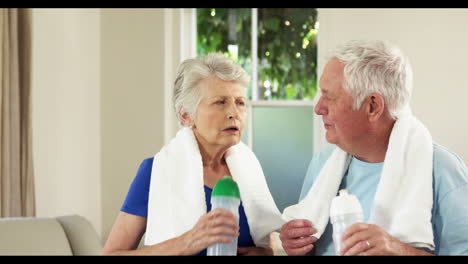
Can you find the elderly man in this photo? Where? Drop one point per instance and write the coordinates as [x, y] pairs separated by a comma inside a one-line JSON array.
[[412, 190]]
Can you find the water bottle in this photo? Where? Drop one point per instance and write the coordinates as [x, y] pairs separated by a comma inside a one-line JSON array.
[[225, 195], [345, 210]]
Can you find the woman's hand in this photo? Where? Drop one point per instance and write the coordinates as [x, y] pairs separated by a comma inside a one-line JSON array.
[[296, 237], [368, 239], [254, 251], [211, 228]]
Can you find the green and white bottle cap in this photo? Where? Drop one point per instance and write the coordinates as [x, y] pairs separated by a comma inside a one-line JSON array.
[[226, 187]]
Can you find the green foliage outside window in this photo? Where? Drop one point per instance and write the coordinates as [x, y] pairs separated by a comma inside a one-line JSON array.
[[287, 46]]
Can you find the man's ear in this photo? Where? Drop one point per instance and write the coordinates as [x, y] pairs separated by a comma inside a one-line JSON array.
[[376, 106], [185, 118]]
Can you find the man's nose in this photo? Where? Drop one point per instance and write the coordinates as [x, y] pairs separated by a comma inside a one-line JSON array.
[[319, 107]]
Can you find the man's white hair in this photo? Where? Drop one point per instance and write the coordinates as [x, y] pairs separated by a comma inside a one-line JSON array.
[[376, 67], [191, 72]]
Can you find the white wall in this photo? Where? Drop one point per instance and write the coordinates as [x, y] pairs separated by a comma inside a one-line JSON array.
[[66, 106], [436, 42], [97, 107], [132, 100]]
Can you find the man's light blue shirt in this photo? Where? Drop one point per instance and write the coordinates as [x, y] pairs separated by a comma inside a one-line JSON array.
[[450, 208]]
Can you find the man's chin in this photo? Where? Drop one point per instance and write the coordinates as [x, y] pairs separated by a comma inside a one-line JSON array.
[[330, 139]]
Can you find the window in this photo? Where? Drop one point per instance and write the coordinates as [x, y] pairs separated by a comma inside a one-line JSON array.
[[278, 47], [284, 52]]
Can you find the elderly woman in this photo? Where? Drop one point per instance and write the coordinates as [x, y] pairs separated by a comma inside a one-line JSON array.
[[169, 199]]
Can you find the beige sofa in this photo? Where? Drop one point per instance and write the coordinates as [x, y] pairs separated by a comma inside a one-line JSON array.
[[63, 235]]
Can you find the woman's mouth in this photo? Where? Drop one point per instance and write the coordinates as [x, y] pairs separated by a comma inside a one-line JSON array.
[[231, 130]]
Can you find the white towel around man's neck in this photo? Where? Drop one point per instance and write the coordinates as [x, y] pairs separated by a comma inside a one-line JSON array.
[[177, 196], [403, 200]]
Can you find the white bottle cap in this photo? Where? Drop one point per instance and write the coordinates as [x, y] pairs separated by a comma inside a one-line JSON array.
[[345, 204]]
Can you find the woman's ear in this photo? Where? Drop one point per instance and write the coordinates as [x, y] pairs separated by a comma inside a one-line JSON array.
[[376, 107], [185, 118]]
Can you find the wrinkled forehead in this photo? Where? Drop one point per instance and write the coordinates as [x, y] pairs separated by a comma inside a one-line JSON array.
[[215, 87], [332, 76], [334, 69]]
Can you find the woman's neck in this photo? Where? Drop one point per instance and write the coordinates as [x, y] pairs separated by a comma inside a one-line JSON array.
[[214, 168], [214, 164], [212, 157]]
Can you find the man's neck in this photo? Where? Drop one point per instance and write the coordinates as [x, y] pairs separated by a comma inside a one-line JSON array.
[[374, 148]]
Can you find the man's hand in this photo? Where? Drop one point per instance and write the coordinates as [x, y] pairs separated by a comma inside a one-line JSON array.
[[296, 237], [368, 239]]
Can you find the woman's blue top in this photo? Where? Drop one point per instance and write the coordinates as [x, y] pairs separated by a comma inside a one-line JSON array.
[[136, 202]]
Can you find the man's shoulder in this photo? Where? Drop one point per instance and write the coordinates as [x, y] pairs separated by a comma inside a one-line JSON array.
[[449, 170], [324, 153], [443, 156], [319, 158]]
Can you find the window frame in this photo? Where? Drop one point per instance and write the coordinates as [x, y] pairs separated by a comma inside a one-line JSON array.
[[255, 101], [179, 47]]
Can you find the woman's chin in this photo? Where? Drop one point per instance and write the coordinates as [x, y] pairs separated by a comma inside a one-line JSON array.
[[233, 141]]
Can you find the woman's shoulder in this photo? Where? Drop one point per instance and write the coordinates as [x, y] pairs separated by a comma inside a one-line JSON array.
[[144, 171], [147, 162]]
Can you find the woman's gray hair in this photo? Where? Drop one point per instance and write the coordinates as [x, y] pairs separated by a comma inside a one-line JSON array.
[[187, 94], [376, 67]]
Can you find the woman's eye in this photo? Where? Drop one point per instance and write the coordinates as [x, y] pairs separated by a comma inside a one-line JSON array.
[[241, 103], [221, 102]]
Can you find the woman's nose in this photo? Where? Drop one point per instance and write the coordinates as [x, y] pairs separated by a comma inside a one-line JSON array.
[[231, 115], [232, 112]]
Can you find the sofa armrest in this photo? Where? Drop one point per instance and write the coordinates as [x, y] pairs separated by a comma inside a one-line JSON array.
[[32, 236], [81, 235]]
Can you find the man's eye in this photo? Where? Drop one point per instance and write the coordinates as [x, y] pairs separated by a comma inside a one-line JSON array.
[[241, 103], [221, 102]]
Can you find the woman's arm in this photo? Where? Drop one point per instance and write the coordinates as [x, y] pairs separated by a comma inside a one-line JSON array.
[[211, 228], [125, 235]]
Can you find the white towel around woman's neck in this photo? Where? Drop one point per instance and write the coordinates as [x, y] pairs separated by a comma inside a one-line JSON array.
[[177, 196], [403, 200]]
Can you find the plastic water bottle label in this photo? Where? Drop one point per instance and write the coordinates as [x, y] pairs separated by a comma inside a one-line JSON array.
[[225, 249]]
